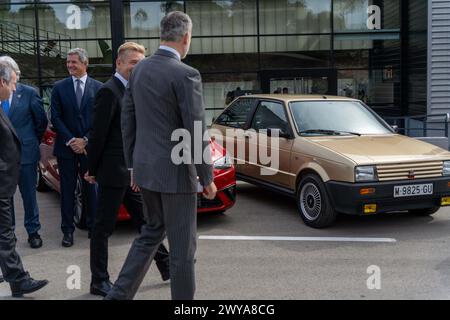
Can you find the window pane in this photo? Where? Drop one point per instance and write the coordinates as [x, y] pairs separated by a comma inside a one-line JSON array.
[[142, 18], [295, 43], [379, 88], [217, 45], [295, 51], [71, 21], [100, 59], [294, 16], [358, 15], [223, 62], [220, 89], [270, 115], [17, 22], [335, 115], [236, 115], [367, 53], [236, 17]]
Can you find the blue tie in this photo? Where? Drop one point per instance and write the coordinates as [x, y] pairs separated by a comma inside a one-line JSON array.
[[5, 106]]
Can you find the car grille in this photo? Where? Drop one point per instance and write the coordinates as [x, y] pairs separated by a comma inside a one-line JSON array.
[[408, 171]]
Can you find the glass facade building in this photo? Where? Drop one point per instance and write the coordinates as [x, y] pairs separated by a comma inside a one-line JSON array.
[[373, 50]]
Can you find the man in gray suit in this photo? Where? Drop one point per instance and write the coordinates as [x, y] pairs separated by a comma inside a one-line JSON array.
[[10, 149], [165, 95]]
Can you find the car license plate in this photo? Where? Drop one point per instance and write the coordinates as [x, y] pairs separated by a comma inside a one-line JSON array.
[[412, 190]]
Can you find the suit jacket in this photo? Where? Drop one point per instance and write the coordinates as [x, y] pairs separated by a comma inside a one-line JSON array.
[[163, 95], [28, 118], [105, 150], [9, 157], [68, 120]]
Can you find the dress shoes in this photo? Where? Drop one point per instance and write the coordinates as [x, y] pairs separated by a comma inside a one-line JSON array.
[[67, 240], [35, 240], [29, 285], [101, 288]]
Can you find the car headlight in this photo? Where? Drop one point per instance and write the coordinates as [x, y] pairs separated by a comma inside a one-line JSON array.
[[446, 168], [365, 173], [223, 163]]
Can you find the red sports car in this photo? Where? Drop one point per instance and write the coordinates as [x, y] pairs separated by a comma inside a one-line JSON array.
[[224, 178]]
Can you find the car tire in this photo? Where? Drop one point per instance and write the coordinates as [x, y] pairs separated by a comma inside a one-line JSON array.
[[313, 202], [79, 216], [41, 186], [424, 212]]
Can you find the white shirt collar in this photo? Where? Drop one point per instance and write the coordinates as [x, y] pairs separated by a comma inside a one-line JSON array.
[[83, 79], [163, 47], [122, 79]]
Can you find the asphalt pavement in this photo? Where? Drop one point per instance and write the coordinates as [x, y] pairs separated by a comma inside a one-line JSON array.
[[387, 256]]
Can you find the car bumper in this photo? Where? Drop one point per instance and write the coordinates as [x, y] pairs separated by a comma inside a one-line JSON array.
[[346, 197], [225, 181]]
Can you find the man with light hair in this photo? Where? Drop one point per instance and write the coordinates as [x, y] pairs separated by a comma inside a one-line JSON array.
[[107, 167], [164, 95], [25, 110], [72, 105], [10, 263]]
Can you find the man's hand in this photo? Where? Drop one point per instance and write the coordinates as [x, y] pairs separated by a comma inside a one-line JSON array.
[[133, 185], [210, 191], [78, 145], [88, 178]]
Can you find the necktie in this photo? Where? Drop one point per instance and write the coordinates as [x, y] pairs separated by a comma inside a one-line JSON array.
[[79, 93], [5, 106]]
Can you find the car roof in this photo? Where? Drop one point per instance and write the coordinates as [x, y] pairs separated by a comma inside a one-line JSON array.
[[296, 97]]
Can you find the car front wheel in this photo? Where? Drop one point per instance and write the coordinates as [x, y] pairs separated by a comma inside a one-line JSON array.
[[79, 212], [41, 186], [313, 203]]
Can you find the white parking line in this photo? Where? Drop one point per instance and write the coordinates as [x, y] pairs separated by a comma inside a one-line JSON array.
[[318, 239]]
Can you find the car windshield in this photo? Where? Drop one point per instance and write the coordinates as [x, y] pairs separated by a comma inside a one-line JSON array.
[[335, 118]]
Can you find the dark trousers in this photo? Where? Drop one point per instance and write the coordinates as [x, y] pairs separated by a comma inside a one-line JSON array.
[[175, 214], [109, 201], [27, 187], [69, 171], [10, 263]]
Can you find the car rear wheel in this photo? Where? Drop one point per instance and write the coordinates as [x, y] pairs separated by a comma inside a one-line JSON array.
[[424, 212], [41, 186], [79, 212], [313, 203]]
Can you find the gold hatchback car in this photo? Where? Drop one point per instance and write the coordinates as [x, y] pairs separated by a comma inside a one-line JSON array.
[[333, 155]]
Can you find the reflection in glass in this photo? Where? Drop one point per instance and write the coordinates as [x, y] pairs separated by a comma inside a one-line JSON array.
[[294, 16], [142, 18], [334, 115], [217, 45], [221, 89], [353, 15], [80, 20], [236, 17]]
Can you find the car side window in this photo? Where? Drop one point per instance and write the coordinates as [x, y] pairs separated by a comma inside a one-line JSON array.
[[236, 115], [270, 115]]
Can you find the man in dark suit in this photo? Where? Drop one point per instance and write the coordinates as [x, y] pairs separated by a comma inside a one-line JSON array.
[[28, 118], [10, 263], [107, 167], [72, 106], [165, 95]]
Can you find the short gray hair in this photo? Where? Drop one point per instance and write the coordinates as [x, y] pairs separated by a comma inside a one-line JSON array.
[[12, 63], [81, 53], [6, 71], [174, 26]]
